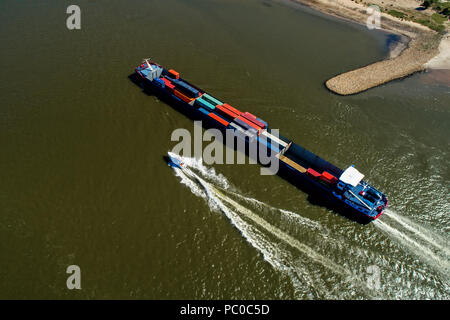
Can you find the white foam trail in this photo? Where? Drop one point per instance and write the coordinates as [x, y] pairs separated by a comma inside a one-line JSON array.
[[284, 236], [189, 183], [208, 173], [213, 193], [419, 231], [424, 253], [222, 183], [275, 255], [292, 215]]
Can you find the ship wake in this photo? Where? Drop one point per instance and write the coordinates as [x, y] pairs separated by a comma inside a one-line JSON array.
[[425, 244], [299, 262]]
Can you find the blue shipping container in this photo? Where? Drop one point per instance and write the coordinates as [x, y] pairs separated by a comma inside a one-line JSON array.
[[183, 86], [204, 111]]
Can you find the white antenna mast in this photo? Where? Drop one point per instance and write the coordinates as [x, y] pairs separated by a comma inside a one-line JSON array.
[[149, 65]]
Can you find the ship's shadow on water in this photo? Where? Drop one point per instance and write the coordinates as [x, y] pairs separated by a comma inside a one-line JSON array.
[[316, 199], [178, 107], [313, 197]]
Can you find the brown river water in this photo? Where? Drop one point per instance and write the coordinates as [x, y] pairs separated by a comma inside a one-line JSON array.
[[83, 180]]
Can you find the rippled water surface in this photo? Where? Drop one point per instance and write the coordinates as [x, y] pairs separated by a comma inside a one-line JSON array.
[[83, 179]]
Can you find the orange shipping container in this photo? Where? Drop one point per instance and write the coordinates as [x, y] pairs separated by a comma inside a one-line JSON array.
[[174, 74], [328, 177], [225, 112], [182, 96], [218, 119], [226, 105]]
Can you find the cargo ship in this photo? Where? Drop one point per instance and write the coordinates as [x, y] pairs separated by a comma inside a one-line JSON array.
[[344, 191]]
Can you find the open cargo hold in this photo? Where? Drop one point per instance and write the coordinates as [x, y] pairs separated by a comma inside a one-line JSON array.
[[254, 119], [308, 159], [292, 164], [218, 119], [273, 138], [211, 99], [226, 113], [204, 104], [232, 109]]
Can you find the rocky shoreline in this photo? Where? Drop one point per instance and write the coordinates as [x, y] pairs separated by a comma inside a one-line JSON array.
[[420, 45]]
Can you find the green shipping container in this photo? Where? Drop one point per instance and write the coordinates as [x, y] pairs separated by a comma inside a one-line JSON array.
[[203, 103], [211, 100]]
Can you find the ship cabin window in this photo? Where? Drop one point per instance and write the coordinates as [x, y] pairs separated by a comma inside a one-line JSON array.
[[373, 194]]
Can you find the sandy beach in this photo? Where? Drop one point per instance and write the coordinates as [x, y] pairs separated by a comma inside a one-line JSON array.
[[420, 48], [442, 60]]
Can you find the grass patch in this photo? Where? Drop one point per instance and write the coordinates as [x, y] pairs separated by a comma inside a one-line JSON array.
[[438, 18], [432, 25], [397, 14]]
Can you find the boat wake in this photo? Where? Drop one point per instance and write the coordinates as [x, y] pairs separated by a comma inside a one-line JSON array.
[[303, 266], [431, 237], [426, 244], [328, 261]]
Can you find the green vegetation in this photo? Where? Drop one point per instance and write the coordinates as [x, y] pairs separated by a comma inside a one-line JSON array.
[[397, 14], [446, 11], [438, 18], [439, 6], [427, 3], [432, 25]]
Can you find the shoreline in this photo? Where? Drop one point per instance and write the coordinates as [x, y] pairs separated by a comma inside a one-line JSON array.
[[420, 48]]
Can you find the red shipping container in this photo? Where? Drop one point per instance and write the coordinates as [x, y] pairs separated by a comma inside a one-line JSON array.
[[218, 119], [174, 74], [328, 177], [313, 173], [252, 118], [182, 96], [168, 83], [225, 112], [226, 105], [251, 124]]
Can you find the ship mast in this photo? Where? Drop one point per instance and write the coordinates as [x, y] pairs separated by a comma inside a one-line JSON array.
[[149, 65]]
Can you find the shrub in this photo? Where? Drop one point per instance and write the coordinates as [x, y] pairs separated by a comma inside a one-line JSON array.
[[397, 14], [432, 25], [440, 19], [446, 12]]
